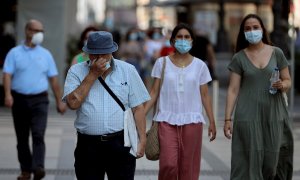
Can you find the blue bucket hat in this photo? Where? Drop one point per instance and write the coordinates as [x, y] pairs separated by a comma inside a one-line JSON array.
[[100, 42]]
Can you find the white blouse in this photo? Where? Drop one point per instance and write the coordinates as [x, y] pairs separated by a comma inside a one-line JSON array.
[[180, 99]]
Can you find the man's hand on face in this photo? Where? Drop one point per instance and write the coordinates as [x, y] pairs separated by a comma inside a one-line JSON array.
[[98, 66]]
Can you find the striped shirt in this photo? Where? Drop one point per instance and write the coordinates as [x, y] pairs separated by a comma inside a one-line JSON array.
[[100, 114]]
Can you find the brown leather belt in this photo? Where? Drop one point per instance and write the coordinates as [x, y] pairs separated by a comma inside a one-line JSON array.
[[105, 137]]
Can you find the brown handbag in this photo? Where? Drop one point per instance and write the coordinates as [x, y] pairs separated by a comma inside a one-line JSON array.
[[152, 143]]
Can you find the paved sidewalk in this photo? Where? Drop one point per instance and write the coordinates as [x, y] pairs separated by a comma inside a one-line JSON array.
[[61, 139]]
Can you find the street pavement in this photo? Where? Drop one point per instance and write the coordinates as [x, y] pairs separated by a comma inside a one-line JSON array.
[[61, 139]]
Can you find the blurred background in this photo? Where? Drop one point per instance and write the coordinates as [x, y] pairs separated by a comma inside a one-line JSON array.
[[218, 20]]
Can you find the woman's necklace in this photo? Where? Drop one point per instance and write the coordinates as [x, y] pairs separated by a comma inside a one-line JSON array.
[[181, 63]]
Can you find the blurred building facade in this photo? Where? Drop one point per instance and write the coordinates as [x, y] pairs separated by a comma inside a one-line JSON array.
[[220, 19]]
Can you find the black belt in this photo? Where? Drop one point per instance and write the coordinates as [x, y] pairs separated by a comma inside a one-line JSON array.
[[105, 137], [14, 93]]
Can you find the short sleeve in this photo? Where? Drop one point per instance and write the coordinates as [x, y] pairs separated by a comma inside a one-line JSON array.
[[235, 65], [71, 83], [157, 68], [205, 75], [9, 63], [138, 93], [281, 59], [52, 71]]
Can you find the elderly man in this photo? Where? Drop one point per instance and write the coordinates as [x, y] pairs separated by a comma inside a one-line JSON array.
[[27, 69], [100, 119]]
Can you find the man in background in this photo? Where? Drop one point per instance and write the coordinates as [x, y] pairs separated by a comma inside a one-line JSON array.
[[27, 69]]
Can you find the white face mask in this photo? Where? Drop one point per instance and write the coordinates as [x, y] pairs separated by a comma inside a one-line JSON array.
[[254, 36], [37, 38], [107, 65]]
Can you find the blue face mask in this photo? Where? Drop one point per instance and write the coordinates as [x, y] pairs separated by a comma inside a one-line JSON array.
[[254, 36], [133, 36], [183, 46], [156, 36]]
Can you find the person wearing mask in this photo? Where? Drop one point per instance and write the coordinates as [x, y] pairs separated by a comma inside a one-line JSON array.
[[262, 141], [100, 119], [183, 93], [27, 69], [131, 51], [152, 46], [81, 56]]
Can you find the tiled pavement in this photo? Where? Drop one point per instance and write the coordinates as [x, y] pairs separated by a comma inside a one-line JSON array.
[[60, 143]]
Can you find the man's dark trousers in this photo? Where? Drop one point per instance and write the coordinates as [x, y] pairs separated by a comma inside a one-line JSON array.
[[30, 115], [95, 156]]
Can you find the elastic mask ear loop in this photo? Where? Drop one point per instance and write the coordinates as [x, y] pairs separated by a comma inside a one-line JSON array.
[[89, 63]]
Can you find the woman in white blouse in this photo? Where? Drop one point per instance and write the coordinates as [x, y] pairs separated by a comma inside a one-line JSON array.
[[183, 93]]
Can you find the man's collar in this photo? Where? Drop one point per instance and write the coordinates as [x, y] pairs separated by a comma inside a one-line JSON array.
[[26, 47]]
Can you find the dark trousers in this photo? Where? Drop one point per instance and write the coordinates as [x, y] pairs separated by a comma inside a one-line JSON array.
[[94, 157], [30, 116]]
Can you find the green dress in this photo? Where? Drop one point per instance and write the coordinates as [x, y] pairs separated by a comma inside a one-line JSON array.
[[82, 57], [262, 141]]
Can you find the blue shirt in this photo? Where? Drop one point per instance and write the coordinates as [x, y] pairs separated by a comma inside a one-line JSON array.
[[100, 114], [30, 68]]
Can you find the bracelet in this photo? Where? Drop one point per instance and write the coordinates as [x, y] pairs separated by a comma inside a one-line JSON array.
[[227, 120]]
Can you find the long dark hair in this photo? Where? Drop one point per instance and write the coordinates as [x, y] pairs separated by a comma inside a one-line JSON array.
[[241, 42], [178, 28]]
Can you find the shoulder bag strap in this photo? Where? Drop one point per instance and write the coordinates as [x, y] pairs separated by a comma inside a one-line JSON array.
[[111, 93], [160, 84], [162, 73]]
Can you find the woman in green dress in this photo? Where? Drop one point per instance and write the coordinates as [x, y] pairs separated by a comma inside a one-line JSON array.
[[262, 141]]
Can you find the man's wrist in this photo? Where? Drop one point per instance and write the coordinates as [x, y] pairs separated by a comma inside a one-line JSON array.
[[93, 76]]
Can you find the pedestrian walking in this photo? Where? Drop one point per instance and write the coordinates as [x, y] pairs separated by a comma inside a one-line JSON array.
[[100, 120], [131, 50], [262, 141], [27, 69], [152, 46], [183, 93]]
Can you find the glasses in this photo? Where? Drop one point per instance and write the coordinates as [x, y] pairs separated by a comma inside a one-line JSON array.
[[35, 30]]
